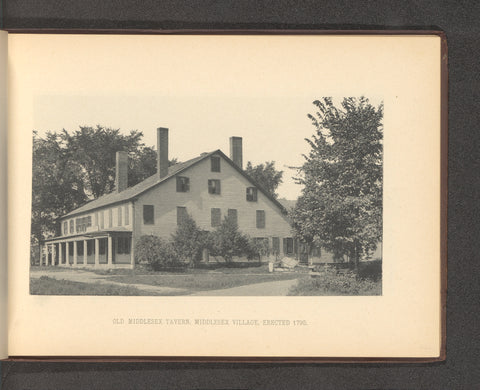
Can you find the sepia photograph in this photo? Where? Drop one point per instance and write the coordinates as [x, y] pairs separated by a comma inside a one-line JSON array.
[[291, 205]]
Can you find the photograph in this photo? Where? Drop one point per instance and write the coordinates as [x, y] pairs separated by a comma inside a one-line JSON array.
[[295, 209]]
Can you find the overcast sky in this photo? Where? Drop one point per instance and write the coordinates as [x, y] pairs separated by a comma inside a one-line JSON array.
[[273, 129]]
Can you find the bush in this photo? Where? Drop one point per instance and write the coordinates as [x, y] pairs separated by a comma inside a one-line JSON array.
[[189, 241], [371, 270], [228, 242], [158, 254], [331, 282]]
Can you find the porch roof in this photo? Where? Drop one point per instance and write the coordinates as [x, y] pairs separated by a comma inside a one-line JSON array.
[[87, 236]]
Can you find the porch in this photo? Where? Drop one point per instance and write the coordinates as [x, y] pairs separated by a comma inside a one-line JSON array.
[[111, 249]]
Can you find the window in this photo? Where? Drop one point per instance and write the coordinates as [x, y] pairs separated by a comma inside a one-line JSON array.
[[102, 224], [81, 224], [214, 186], [260, 219], [183, 184], [216, 217], [119, 245], [276, 245], [251, 194], [288, 246], [90, 244], [233, 215], [65, 228], [96, 219], [119, 216], [79, 248], [181, 214], [110, 217], [103, 246], [72, 226], [127, 215], [148, 215], [215, 163]]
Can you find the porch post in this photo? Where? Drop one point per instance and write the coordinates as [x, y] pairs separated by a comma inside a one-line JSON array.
[[132, 253], [60, 253], [45, 252], [110, 248], [85, 261], [51, 254], [74, 252], [67, 253], [97, 252]]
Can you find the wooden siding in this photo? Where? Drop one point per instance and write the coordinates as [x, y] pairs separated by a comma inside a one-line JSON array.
[[199, 203]]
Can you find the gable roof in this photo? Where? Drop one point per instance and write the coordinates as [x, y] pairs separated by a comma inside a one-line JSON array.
[[152, 181]]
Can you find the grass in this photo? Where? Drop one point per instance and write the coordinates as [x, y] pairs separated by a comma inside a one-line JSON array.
[[330, 282], [50, 286], [205, 280]]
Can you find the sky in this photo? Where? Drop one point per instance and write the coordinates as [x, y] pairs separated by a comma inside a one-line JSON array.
[[203, 88], [272, 128]]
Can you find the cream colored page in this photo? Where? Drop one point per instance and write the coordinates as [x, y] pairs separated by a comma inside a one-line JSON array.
[[403, 71], [3, 193]]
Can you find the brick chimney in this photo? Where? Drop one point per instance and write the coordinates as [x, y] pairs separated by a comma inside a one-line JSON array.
[[162, 150], [121, 171], [236, 154]]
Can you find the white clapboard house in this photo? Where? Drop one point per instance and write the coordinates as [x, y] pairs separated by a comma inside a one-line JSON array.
[[103, 232]]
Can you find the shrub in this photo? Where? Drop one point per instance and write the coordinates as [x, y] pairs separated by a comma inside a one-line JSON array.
[[228, 242], [331, 282], [371, 270], [189, 241], [156, 253]]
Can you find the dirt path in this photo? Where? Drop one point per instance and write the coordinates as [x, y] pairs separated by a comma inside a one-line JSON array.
[[91, 277], [277, 288]]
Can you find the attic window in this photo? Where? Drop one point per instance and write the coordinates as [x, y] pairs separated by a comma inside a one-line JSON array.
[[183, 184], [251, 194], [214, 186], [148, 214], [215, 163]]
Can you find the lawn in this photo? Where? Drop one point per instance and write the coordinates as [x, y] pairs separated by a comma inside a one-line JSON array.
[[203, 281], [49, 286]]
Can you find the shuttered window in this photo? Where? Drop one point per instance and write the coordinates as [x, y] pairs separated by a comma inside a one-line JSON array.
[[148, 214], [127, 215], [233, 216], [119, 216], [216, 216], [215, 163], [181, 214], [288, 246], [251, 194], [110, 217], [276, 245], [214, 186], [65, 228], [183, 184], [260, 219], [72, 226], [102, 215]]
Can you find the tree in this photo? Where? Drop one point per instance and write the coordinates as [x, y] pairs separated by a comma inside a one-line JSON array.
[[71, 168], [56, 185], [228, 241], [340, 207], [189, 241], [266, 176]]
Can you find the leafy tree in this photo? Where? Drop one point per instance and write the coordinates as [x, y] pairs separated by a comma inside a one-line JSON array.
[[340, 207], [189, 241], [266, 176], [57, 187], [228, 241], [71, 168]]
